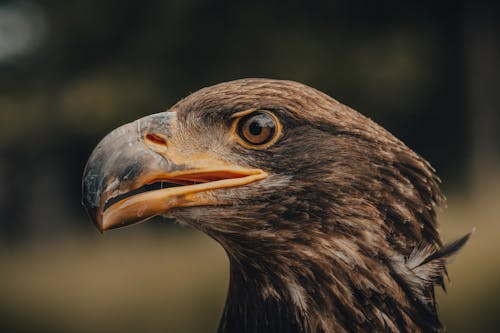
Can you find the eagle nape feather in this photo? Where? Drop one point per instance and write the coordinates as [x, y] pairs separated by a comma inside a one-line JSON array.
[[328, 220]]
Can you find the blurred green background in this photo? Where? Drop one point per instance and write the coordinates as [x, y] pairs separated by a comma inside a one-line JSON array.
[[71, 71]]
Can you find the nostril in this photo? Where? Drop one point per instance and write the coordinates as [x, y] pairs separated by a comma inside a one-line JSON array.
[[156, 139]]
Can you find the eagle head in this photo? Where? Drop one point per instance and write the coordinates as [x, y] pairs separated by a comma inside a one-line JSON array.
[[328, 220]]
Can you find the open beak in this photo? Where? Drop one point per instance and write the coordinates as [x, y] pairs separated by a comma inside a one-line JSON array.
[[131, 175]]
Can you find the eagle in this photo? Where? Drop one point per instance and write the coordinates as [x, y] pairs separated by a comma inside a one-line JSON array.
[[328, 220]]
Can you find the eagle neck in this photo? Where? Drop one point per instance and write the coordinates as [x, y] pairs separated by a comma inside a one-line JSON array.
[[259, 302], [327, 286]]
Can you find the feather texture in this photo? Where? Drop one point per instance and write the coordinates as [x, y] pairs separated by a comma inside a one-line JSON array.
[[341, 237]]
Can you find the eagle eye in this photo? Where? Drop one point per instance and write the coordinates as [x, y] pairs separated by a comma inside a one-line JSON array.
[[258, 129]]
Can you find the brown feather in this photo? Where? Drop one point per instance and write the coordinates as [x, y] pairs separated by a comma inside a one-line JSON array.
[[342, 237]]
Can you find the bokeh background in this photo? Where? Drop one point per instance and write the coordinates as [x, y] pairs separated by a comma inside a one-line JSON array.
[[70, 71]]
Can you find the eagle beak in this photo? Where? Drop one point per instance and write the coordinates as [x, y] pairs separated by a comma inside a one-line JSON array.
[[133, 175]]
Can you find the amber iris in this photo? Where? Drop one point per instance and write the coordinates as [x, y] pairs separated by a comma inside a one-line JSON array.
[[257, 128]]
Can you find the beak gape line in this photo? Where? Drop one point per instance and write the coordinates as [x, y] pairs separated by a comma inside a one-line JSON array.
[[122, 181]]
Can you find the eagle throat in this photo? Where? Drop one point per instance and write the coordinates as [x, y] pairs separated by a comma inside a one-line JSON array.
[[331, 284], [322, 294]]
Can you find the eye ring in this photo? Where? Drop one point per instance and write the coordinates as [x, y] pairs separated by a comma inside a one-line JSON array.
[[257, 129]]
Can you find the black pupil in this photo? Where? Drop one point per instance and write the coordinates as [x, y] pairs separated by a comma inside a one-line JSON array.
[[255, 127]]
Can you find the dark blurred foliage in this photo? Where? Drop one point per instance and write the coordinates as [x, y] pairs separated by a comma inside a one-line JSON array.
[[71, 71]]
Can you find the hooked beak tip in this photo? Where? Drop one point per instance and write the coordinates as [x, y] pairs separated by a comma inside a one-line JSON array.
[[93, 213]]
